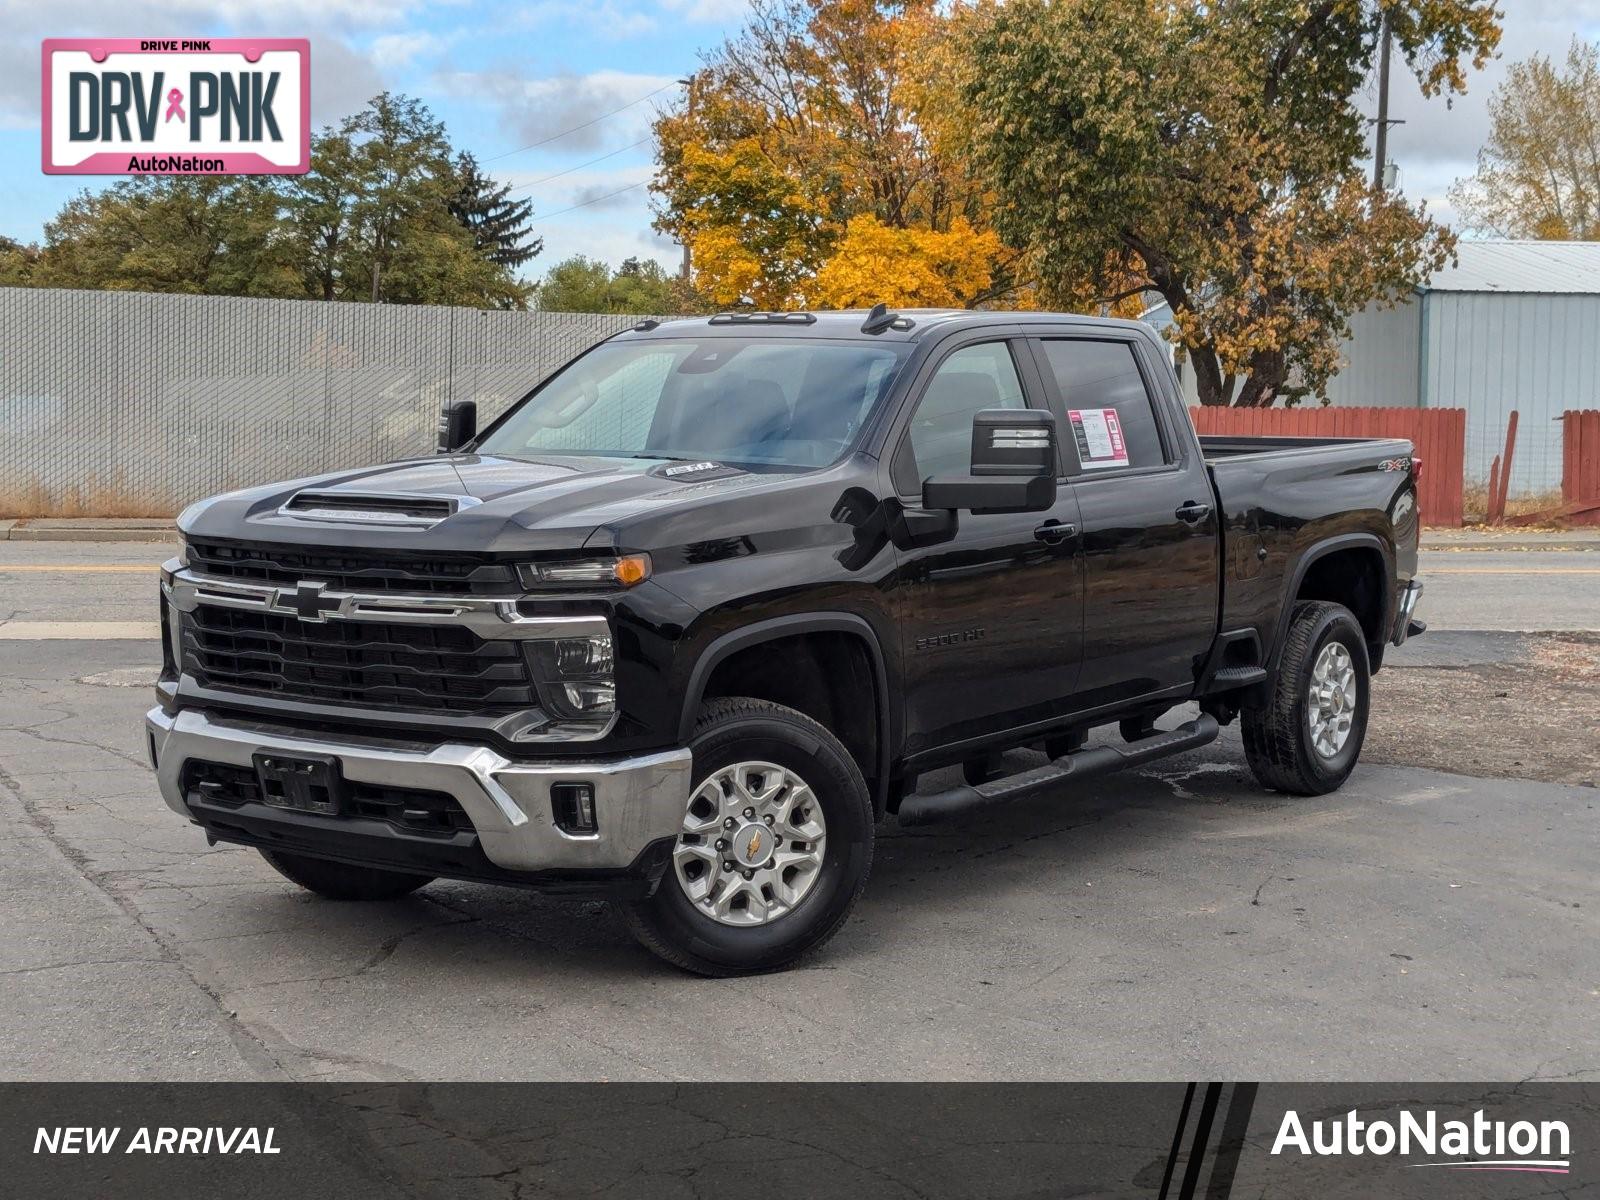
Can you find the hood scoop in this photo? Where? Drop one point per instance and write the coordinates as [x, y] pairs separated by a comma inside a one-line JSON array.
[[361, 508]]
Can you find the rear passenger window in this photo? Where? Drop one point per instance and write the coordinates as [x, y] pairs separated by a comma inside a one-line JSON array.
[[1109, 412]]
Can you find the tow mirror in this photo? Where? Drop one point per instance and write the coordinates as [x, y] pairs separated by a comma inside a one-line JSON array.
[[1013, 466], [458, 422]]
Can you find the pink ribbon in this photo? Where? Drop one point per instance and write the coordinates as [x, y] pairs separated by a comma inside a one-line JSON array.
[[175, 105]]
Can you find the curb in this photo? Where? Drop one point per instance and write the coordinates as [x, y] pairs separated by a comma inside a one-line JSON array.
[[23, 529]]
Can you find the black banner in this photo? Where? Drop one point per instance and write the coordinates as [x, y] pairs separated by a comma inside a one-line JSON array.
[[720, 1138]]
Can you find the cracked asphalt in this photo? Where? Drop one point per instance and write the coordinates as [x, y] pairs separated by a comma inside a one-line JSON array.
[[1168, 923]]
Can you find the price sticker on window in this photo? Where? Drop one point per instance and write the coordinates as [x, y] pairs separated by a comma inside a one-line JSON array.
[[1099, 437]]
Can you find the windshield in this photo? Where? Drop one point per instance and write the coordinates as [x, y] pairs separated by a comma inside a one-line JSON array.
[[756, 401]]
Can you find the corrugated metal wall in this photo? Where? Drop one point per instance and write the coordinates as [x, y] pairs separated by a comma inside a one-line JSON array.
[[1491, 353], [1383, 356], [115, 403]]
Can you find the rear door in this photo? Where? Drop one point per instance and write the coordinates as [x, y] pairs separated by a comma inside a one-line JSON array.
[[1149, 528], [989, 619]]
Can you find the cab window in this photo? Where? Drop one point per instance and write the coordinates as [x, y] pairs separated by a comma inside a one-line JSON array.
[[970, 380]]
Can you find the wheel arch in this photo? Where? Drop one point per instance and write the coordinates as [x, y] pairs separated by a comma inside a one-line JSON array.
[[851, 626], [1368, 548]]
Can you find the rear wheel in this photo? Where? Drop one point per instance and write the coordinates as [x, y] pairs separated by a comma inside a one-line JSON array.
[[775, 846], [340, 881], [1307, 740]]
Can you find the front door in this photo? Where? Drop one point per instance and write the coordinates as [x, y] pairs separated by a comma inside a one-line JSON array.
[[990, 618], [1149, 535]]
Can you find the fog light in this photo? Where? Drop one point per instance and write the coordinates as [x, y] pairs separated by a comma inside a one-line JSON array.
[[574, 807], [590, 697]]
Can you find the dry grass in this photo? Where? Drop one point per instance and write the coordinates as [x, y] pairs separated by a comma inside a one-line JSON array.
[[1475, 505], [92, 498]]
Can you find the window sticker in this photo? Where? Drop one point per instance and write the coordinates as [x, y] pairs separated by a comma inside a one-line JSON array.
[[1099, 437]]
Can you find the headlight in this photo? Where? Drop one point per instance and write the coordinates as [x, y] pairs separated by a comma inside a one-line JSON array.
[[575, 676], [607, 572]]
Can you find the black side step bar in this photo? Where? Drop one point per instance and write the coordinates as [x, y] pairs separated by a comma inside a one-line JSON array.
[[925, 809]]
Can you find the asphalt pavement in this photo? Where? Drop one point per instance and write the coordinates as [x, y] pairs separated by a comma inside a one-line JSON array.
[[1171, 922]]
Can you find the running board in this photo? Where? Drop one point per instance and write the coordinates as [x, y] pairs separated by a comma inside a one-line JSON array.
[[925, 809]]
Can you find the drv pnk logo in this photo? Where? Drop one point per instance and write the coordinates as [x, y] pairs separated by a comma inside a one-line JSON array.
[[176, 106]]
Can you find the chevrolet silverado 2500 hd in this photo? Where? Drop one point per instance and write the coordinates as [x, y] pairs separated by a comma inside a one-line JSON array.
[[688, 620]]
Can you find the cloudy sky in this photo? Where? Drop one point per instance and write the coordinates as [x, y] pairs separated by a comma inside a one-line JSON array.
[[553, 96], [556, 96]]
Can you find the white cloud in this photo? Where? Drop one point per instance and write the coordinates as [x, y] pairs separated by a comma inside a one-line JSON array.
[[569, 113], [606, 19], [341, 78], [709, 11], [391, 51]]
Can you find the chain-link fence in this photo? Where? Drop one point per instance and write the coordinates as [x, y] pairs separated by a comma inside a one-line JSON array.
[[129, 404]]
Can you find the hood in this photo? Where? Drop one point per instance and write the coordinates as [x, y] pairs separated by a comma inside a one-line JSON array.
[[464, 502]]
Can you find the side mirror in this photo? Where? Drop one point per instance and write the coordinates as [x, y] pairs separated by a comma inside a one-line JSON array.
[[458, 422], [1013, 466]]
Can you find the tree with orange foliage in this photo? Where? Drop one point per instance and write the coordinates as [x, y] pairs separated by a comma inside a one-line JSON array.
[[799, 172]]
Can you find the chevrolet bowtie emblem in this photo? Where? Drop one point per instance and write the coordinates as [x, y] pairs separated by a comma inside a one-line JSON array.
[[306, 601], [754, 848]]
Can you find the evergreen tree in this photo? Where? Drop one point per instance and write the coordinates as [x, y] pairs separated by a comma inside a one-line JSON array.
[[499, 226]]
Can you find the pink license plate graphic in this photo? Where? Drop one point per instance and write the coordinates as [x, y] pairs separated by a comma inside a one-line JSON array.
[[176, 106]]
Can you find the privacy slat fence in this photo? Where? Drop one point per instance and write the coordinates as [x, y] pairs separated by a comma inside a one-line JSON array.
[[130, 404], [1439, 435], [1580, 463]]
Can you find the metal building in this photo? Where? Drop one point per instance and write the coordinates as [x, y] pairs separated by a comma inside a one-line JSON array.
[[1513, 325]]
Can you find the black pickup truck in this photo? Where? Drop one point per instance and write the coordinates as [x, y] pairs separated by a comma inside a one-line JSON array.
[[689, 620]]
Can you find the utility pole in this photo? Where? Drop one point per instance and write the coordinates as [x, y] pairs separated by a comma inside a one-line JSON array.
[[688, 83], [1380, 153]]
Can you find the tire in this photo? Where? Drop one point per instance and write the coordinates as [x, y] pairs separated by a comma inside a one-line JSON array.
[[1278, 741], [341, 881], [735, 735]]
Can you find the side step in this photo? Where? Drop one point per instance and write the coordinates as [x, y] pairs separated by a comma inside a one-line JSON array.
[[1229, 678], [925, 809]]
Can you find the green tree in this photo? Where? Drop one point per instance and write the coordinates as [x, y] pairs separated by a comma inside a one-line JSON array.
[[582, 284], [203, 234], [17, 263], [1210, 153], [1539, 173], [374, 220], [498, 224]]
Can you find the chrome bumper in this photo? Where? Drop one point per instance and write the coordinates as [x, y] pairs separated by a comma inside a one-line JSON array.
[[1405, 623], [637, 800]]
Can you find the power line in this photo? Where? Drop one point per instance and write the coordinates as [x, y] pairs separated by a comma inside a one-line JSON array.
[[586, 203], [603, 116], [537, 182]]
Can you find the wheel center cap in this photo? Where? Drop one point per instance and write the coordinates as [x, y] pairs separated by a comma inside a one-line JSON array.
[[752, 844]]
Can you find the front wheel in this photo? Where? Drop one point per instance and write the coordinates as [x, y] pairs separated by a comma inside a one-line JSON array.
[[1306, 741], [775, 846]]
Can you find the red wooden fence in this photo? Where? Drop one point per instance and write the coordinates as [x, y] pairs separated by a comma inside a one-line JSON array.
[[1439, 435], [1580, 463]]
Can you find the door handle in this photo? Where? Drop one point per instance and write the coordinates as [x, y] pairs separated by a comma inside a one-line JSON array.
[[1053, 533], [1193, 512]]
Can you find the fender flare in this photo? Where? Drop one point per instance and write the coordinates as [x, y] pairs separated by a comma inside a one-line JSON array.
[[1320, 550], [794, 625]]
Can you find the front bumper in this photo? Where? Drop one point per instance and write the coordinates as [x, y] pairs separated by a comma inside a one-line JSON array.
[[1405, 623], [639, 801]]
